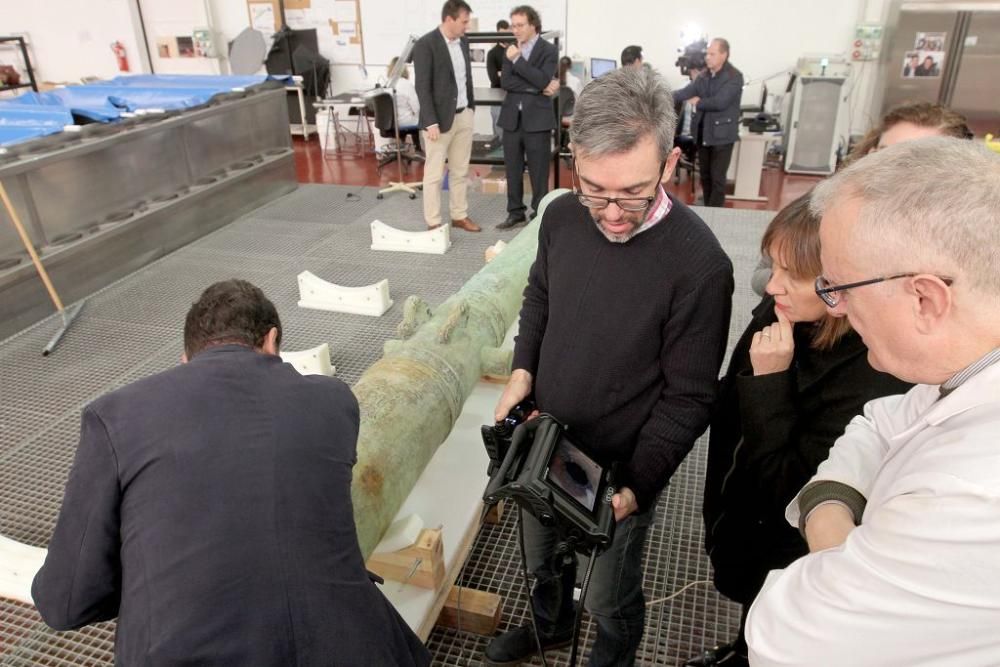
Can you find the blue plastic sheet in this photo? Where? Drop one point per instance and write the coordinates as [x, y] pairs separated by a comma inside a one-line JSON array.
[[106, 101], [220, 82], [19, 122]]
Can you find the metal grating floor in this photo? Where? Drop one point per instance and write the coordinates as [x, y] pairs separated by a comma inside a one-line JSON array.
[[133, 328]]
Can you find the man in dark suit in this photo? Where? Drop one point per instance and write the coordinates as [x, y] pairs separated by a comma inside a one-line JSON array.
[[209, 510], [716, 96], [444, 88], [527, 116]]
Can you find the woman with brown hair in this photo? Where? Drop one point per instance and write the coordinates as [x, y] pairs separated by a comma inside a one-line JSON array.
[[796, 378]]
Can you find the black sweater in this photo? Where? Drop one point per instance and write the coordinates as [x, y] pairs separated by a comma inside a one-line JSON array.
[[625, 340], [769, 434]]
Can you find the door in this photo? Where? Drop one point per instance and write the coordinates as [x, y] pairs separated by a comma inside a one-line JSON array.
[[919, 55], [977, 84]]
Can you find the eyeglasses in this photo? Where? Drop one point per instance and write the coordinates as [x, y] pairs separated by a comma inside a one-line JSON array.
[[828, 292], [630, 204]]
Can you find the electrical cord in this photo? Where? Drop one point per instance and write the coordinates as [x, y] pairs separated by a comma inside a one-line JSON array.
[[579, 610], [700, 582], [527, 588]]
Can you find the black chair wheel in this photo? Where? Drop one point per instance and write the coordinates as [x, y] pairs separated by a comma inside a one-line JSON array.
[[413, 195], [378, 196]]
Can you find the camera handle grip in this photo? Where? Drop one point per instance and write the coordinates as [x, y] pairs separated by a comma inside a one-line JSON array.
[[517, 441]]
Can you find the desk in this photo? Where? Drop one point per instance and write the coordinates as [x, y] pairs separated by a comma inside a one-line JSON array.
[[749, 160], [341, 107], [494, 97]]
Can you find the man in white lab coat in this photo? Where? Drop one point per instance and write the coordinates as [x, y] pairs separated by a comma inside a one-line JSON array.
[[903, 518]]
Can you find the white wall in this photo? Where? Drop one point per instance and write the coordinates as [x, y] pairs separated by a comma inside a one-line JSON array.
[[71, 39], [766, 36]]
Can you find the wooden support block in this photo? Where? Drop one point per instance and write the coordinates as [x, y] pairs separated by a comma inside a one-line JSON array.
[[495, 514], [480, 611], [420, 564]]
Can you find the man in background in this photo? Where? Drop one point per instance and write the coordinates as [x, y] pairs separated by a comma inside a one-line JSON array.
[[494, 67], [527, 116], [209, 510], [716, 95], [444, 87], [632, 56]]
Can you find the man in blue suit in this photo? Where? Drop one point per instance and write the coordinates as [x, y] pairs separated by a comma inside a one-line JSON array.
[[209, 510], [527, 117]]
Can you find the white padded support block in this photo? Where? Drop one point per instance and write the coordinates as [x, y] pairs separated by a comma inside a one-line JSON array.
[[431, 241], [18, 565], [314, 361], [314, 292]]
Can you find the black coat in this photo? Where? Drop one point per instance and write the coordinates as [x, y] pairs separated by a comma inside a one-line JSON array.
[[768, 436], [494, 64], [524, 82], [718, 111], [209, 510], [435, 80]]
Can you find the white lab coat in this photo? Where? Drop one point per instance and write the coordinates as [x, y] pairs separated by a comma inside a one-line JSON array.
[[918, 582], [407, 104]]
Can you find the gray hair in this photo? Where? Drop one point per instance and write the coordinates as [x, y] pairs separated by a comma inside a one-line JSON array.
[[929, 205], [617, 110]]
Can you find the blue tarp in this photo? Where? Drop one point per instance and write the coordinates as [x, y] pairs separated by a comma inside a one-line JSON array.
[[105, 101], [223, 83], [22, 122]]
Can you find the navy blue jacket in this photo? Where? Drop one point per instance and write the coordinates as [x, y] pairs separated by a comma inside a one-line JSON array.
[[524, 81], [719, 107], [209, 510]]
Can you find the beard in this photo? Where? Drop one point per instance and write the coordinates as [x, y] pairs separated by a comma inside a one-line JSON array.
[[634, 219]]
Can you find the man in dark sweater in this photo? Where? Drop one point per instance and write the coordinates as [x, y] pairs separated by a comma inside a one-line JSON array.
[[622, 333], [494, 68]]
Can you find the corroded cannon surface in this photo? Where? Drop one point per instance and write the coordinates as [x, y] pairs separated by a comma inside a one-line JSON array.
[[412, 396]]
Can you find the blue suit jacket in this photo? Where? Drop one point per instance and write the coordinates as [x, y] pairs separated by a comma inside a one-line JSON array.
[[524, 81], [209, 510]]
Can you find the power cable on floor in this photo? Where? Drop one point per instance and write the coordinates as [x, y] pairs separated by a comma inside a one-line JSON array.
[[675, 594]]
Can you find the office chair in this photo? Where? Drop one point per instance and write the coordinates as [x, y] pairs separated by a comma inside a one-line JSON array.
[[564, 117], [383, 104]]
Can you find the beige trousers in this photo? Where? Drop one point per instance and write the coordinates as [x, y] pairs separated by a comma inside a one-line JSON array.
[[455, 146]]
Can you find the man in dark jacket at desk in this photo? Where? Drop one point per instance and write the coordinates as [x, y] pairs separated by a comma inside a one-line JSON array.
[[716, 95], [209, 510], [527, 116]]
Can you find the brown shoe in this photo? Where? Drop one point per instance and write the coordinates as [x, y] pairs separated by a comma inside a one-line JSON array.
[[466, 224]]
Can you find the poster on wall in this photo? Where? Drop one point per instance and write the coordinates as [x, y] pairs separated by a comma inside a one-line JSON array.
[[926, 59]]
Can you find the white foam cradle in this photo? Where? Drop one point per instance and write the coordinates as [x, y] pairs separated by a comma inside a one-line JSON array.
[[18, 565], [314, 292], [432, 241], [314, 361]]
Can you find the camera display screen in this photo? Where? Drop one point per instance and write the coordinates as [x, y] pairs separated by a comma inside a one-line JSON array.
[[575, 474]]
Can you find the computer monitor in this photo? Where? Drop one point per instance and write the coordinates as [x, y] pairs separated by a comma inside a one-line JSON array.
[[601, 66]]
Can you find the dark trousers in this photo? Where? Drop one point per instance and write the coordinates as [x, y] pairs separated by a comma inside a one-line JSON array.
[[537, 147], [614, 598], [713, 163]]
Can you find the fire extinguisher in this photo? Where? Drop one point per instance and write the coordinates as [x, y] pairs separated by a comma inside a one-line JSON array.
[[119, 50]]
